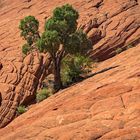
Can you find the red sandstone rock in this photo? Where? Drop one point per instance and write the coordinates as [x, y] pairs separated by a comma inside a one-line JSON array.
[[104, 107], [110, 24]]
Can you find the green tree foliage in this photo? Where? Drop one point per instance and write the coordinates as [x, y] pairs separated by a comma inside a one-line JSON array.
[[29, 31], [60, 37], [26, 48]]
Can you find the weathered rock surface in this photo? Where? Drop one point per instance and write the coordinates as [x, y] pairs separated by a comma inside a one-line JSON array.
[[105, 106], [110, 24], [18, 83]]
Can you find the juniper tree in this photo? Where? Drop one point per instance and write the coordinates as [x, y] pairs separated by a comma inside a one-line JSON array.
[[29, 31], [60, 37]]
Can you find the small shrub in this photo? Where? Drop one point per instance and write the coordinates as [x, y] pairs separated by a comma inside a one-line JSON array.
[[129, 46], [42, 94], [74, 67], [21, 109], [118, 50]]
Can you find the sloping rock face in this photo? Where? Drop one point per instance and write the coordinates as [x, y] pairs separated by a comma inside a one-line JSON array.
[[105, 106], [18, 83], [19, 76], [110, 24]]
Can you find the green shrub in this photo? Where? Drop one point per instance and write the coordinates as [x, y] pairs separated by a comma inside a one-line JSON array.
[[129, 46], [118, 50], [43, 94], [73, 67], [21, 109]]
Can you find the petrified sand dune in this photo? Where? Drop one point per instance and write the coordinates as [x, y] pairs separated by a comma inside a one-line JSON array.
[[110, 24], [105, 106]]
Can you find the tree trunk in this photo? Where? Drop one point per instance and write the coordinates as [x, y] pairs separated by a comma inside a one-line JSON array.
[[57, 76]]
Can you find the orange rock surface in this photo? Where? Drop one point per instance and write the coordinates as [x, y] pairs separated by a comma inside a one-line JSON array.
[[105, 106]]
